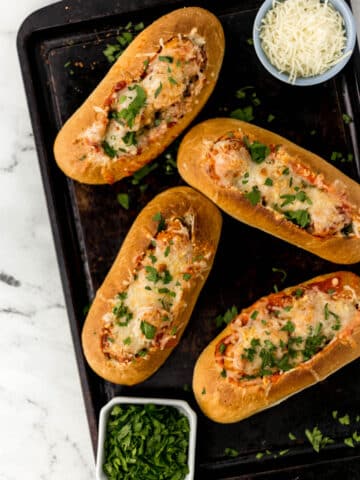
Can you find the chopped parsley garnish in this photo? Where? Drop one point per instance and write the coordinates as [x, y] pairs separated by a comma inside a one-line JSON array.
[[313, 343], [270, 117], [166, 58], [152, 258], [129, 138], [108, 149], [187, 276], [299, 292], [347, 119], [288, 327], [146, 63], [229, 315], [146, 441], [269, 182], [172, 80], [167, 277], [222, 348], [129, 114], [223, 373], [166, 291], [245, 114], [299, 217], [127, 341], [158, 90], [258, 151], [121, 311], [291, 436], [167, 251], [203, 391], [254, 196], [148, 330], [152, 274], [254, 314], [161, 221], [317, 440], [286, 171], [143, 172], [123, 199], [259, 455], [142, 353]]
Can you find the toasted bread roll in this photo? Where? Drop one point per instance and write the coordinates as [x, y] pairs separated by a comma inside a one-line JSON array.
[[278, 346], [153, 91], [268, 182], [143, 306]]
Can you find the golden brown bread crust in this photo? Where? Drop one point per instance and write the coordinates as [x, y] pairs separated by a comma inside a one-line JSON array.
[[207, 228], [128, 68], [227, 402], [192, 167]]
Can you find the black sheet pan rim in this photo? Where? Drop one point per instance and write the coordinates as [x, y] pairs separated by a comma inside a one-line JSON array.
[[36, 22]]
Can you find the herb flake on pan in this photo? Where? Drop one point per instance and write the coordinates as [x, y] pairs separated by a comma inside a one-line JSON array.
[[123, 199], [146, 442], [317, 439], [347, 119], [345, 420], [231, 452], [229, 315], [245, 114], [282, 271], [126, 34]]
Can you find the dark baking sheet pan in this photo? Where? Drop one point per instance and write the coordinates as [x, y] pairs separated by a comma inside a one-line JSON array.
[[61, 54]]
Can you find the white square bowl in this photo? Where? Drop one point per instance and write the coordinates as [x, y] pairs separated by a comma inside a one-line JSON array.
[[181, 405]]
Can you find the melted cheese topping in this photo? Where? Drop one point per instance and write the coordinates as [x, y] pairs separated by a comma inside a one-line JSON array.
[[281, 331], [141, 112], [282, 184], [303, 37], [143, 316]]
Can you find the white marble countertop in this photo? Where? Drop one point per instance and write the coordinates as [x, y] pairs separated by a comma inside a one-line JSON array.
[[45, 434], [42, 416]]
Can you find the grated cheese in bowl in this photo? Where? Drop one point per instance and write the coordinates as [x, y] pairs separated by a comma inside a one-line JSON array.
[[303, 38]]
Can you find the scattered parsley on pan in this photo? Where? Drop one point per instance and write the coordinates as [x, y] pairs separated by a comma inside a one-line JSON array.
[[146, 442]]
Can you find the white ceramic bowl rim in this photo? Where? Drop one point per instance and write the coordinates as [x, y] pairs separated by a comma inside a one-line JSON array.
[[349, 21], [181, 405]]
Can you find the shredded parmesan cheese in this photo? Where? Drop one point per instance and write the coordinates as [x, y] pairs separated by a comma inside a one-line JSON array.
[[303, 38]]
